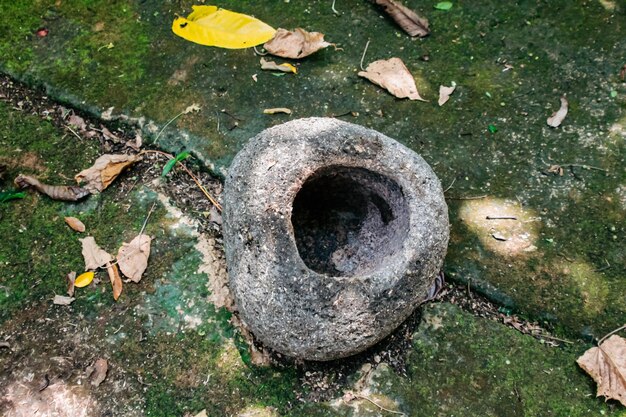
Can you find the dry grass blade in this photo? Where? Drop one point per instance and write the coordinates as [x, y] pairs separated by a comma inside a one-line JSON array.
[[407, 19]]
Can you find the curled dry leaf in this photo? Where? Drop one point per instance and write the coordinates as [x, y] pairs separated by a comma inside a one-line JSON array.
[[132, 257], [95, 257], [273, 66], [392, 75], [607, 366], [407, 19], [295, 44], [116, 280], [98, 371], [444, 93], [557, 117], [70, 278], [75, 224], [62, 300], [55, 192], [277, 110], [78, 122], [104, 171]]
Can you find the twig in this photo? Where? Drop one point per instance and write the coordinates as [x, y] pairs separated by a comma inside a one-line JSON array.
[[335, 10], [72, 130], [501, 218], [604, 268], [478, 197], [611, 334], [450, 186], [156, 140], [213, 201], [259, 53], [552, 338], [586, 167], [378, 405], [217, 114], [562, 255], [363, 56], [145, 222]]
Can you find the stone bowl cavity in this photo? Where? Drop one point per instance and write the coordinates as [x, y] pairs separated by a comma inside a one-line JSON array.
[[333, 235]]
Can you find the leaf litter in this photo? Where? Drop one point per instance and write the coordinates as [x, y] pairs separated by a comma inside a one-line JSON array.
[[407, 19], [606, 364], [95, 257], [444, 93], [557, 117], [55, 192], [273, 66], [75, 224], [296, 44], [392, 75], [132, 257], [104, 170], [97, 372]]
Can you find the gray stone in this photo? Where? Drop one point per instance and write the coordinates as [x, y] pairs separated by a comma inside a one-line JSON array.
[[333, 235]]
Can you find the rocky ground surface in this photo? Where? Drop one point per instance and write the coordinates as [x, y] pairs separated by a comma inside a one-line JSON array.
[[525, 296]]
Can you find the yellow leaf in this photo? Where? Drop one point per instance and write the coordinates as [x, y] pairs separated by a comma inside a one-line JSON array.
[[211, 26], [84, 279]]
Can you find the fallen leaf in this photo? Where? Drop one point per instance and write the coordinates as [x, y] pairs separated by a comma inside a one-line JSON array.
[[108, 135], [277, 110], [5, 345], [444, 93], [557, 117], [104, 171], [211, 26], [84, 279], [62, 300], [392, 75], [75, 224], [407, 19], [55, 192], [95, 257], [97, 372], [78, 122], [556, 170], [116, 280], [295, 44], [132, 257], [607, 366], [443, 5], [71, 279], [273, 66], [201, 414], [192, 108]]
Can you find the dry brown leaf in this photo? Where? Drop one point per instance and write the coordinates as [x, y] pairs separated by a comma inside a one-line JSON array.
[[70, 278], [116, 280], [78, 122], [557, 117], [98, 371], [55, 192], [295, 44], [104, 171], [95, 257], [394, 76], [407, 19], [444, 93], [62, 300], [273, 66], [277, 110], [132, 257], [75, 224], [607, 366]]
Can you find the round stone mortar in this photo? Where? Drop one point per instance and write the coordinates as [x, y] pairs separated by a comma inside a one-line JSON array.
[[333, 234]]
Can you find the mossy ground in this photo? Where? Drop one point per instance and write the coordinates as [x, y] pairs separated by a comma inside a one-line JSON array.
[[563, 262]]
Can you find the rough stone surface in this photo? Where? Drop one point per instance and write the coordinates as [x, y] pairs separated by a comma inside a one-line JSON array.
[[333, 234]]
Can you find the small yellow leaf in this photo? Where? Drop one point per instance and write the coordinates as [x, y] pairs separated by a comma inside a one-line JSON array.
[[211, 26], [84, 279]]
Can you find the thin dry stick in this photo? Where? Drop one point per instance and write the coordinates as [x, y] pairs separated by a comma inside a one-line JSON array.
[[378, 405], [72, 130], [213, 201], [363, 56], [545, 336], [586, 167], [619, 329], [156, 140], [501, 218], [478, 197], [450, 186]]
